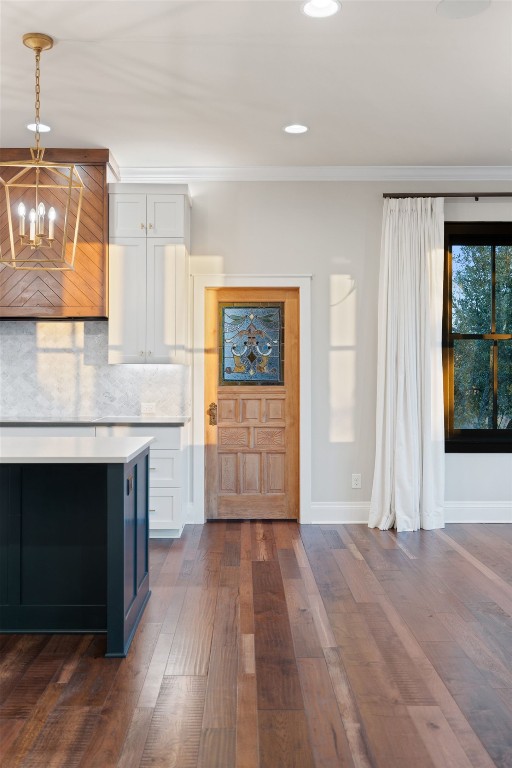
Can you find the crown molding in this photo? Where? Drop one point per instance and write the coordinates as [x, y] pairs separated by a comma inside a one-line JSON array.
[[186, 175]]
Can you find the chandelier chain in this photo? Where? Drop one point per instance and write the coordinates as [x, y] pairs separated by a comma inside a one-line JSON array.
[[38, 93]]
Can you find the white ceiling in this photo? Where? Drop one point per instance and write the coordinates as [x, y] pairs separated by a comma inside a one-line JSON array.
[[206, 83]]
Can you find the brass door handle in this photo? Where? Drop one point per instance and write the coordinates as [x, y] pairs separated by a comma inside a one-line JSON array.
[[212, 413]]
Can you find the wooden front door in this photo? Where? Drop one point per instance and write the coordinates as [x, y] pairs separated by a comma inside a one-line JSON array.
[[252, 451]]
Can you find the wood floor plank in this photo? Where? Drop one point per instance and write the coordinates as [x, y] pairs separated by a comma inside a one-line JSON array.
[[305, 637], [439, 739], [343, 532], [93, 678], [332, 538], [217, 748], [110, 730], [363, 584], [64, 738], [133, 748], [288, 563], [454, 666], [174, 734], [348, 709], [155, 672], [272, 626], [326, 730], [16, 745], [263, 544], [190, 650], [498, 672], [493, 552], [9, 732], [284, 534], [220, 703], [284, 740], [17, 656], [393, 737], [378, 549], [24, 697], [402, 669], [247, 740], [328, 581], [494, 731], [173, 610], [495, 587], [278, 684]]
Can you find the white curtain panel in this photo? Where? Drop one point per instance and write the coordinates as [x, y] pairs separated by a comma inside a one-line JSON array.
[[408, 484]]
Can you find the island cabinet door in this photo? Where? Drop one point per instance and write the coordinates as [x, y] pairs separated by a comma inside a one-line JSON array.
[[136, 532], [128, 580]]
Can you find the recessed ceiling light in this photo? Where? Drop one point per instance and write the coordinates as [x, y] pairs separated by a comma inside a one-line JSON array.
[[320, 9], [461, 9], [42, 127], [295, 128]]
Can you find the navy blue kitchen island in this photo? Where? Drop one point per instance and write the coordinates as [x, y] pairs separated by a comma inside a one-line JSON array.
[[74, 536]]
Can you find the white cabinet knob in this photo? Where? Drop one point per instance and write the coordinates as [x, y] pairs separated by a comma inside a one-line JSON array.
[[141, 353], [142, 226], [150, 226], [149, 353]]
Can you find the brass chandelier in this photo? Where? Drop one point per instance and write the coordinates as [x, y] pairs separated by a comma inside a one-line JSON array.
[[41, 201]]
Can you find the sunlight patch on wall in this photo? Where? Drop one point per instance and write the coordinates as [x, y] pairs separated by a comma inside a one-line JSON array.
[[342, 308], [58, 357], [342, 358]]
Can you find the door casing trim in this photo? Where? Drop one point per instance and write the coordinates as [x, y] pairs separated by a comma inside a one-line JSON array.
[[196, 512]]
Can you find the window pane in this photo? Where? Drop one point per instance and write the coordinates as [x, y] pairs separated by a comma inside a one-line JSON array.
[[471, 288], [505, 385], [472, 375], [504, 289]]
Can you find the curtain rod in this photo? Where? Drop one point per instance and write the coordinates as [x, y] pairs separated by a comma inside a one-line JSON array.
[[476, 195]]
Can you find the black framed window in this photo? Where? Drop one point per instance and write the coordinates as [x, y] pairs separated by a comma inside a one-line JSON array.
[[477, 336]]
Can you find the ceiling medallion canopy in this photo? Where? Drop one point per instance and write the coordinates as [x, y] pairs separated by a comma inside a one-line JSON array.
[[41, 201]]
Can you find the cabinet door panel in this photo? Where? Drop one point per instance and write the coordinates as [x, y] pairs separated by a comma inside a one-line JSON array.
[[127, 301], [165, 469], [161, 307], [165, 215], [127, 215], [164, 508]]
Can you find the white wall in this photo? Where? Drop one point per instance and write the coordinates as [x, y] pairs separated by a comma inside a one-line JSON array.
[[332, 230], [329, 229]]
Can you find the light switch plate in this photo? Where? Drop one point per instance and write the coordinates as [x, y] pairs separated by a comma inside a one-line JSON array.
[[147, 408]]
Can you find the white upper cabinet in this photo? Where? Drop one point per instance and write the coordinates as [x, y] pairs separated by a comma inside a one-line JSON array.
[[127, 301], [146, 215], [148, 277]]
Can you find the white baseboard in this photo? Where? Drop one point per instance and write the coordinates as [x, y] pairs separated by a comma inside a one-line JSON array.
[[478, 511], [329, 512], [454, 511], [324, 512]]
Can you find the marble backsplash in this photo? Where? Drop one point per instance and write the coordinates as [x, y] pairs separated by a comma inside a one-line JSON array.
[[60, 370]]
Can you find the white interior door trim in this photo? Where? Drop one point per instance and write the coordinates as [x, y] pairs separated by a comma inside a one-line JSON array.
[[200, 283]]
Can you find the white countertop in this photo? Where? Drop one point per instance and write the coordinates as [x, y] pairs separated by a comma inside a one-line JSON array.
[[71, 450], [140, 421]]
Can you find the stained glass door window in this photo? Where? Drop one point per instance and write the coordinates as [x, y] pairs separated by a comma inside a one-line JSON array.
[[252, 338]]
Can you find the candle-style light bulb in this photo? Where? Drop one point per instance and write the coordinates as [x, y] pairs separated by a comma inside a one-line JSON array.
[[51, 223], [21, 214], [40, 219], [32, 219]]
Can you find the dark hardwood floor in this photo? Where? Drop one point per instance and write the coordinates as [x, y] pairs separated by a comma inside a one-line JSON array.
[[270, 645]]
